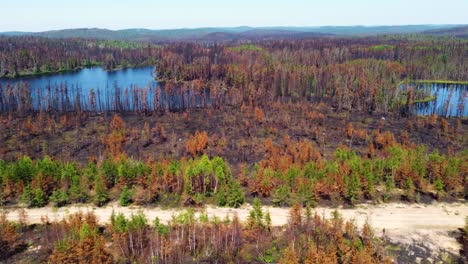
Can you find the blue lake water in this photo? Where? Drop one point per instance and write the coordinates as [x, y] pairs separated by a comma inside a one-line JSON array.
[[450, 100], [79, 84], [91, 78], [136, 89]]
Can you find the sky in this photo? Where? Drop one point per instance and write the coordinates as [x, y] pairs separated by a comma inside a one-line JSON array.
[[42, 15]]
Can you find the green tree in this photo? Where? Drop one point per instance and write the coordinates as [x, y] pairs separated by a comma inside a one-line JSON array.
[[221, 196], [255, 218], [268, 221], [101, 196], [24, 170], [39, 198], [110, 171], [59, 198], [235, 197], [26, 197], [125, 197], [162, 229], [281, 196], [353, 185]]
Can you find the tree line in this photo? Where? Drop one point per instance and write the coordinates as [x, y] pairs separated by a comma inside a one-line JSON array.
[[289, 173], [26, 55]]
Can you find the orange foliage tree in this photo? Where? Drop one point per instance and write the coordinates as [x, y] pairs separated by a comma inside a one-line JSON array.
[[9, 239], [197, 143], [259, 115], [349, 130], [85, 245], [114, 141], [290, 256]]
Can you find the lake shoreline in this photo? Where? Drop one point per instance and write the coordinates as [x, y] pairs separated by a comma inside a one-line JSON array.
[[48, 73], [434, 82]]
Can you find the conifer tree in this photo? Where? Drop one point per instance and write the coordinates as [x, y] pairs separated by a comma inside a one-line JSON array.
[[101, 195]]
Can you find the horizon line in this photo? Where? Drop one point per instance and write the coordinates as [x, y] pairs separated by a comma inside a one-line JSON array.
[[240, 26]]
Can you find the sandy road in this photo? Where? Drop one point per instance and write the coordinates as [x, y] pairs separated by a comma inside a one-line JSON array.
[[428, 224]]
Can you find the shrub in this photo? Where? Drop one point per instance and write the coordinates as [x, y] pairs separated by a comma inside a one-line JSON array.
[[384, 140]]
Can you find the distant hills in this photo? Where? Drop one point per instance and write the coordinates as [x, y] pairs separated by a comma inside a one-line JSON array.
[[243, 33], [214, 34], [460, 32]]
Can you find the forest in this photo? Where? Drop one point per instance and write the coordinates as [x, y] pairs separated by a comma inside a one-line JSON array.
[[296, 123], [358, 74], [23, 56]]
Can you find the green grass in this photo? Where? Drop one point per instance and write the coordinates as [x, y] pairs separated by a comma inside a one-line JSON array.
[[37, 73], [367, 61], [26, 73], [247, 47], [393, 248], [121, 44], [381, 47], [425, 100], [443, 82], [438, 48], [435, 81]]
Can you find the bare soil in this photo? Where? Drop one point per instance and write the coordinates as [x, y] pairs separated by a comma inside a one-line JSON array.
[[430, 225]]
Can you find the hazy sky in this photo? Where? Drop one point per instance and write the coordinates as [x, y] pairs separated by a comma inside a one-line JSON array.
[[40, 15]]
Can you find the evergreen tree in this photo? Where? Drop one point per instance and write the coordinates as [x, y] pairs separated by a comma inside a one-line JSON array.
[[59, 198], [221, 197], [268, 221], [39, 198], [255, 218], [26, 197], [235, 196], [101, 196], [281, 196], [125, 197]]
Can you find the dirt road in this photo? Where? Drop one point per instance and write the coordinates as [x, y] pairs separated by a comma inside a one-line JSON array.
[[431, 224]]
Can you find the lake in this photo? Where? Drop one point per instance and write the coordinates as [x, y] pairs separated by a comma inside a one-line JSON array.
[[91, 78], [63, 89], [94, 89], [450, 100]]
